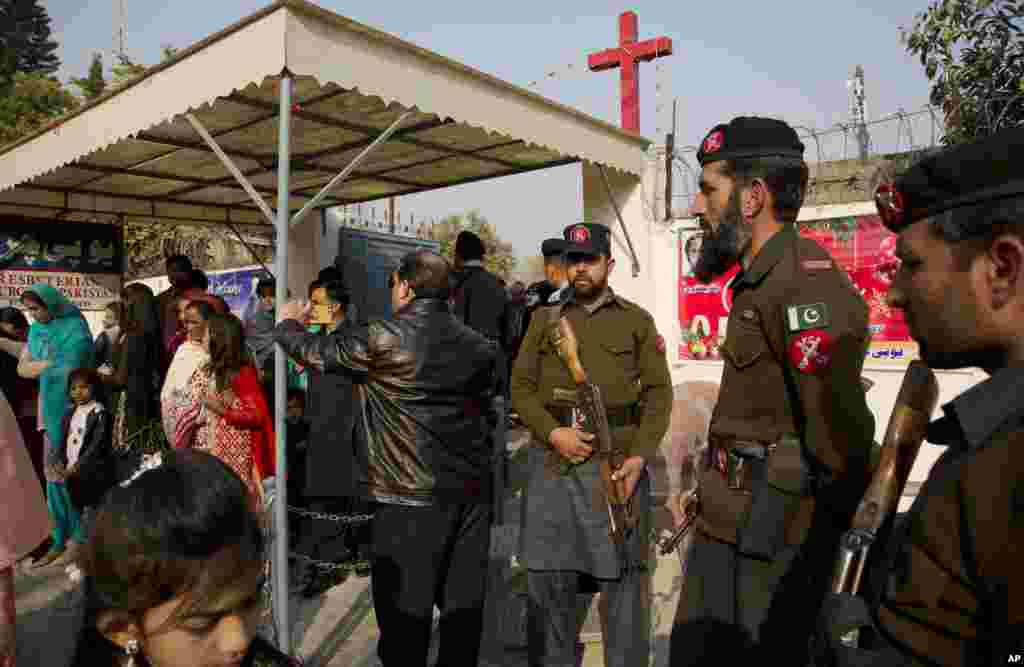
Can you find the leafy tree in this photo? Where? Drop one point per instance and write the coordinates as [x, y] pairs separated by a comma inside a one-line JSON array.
[[973, 53], [34, 101], [499, 258], [93, 85], [532, 269], [25, 39]]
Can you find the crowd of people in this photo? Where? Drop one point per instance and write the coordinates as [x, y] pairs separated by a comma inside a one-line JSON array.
[[146, 453]]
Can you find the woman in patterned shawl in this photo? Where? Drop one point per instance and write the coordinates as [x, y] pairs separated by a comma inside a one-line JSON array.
[[179, 405], [238, 428]]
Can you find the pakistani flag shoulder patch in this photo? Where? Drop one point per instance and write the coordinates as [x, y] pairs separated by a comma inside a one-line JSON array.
[[808, 316]]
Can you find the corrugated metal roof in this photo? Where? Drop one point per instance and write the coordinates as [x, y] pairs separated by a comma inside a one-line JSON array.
[[133, 153]]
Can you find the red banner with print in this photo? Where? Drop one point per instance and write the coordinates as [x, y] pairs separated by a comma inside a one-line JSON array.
[[860, 245]]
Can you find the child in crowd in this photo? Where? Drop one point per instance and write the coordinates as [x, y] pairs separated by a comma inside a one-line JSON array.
[[87, 453], [84, 423], [174, 570]]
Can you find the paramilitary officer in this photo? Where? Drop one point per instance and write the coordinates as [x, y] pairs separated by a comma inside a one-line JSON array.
[[954, 587], [790, 437], [555, 279], [544, 291], [566, 546]]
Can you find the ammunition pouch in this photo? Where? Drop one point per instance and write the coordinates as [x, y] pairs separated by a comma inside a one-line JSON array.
[[782, 488]]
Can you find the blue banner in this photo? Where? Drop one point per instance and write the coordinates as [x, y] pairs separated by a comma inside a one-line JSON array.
[[238, 288]]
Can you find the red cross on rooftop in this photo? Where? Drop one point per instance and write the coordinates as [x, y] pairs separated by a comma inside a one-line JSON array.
[[627, 56]]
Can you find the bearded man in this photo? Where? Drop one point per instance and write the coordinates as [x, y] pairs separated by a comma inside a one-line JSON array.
[[789, 445], [566, 544]]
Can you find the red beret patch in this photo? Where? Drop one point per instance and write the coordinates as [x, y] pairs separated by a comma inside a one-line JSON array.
[[811, 351], [579, 234], [713, 142], [660, 344]]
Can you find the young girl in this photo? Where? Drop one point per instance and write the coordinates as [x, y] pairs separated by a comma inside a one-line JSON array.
[[174, 571], [84, 429], [86, 454]]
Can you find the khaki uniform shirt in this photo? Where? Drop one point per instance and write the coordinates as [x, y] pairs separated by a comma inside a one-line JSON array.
[[793, 356], [565, 523], [623, 355]]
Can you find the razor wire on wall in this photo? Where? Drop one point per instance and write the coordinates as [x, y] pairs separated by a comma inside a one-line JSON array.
[[900, 133]]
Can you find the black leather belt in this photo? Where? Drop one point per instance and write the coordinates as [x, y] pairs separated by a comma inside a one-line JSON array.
[[618, 417]]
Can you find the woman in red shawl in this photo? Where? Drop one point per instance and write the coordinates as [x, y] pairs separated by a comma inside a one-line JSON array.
[[237, 427]]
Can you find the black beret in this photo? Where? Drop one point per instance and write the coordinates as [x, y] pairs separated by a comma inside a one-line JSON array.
[[962, 175], [552, 247], [588, 238], [750, 137]]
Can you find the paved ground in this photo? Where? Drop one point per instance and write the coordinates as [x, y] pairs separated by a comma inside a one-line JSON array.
[[338, 629]]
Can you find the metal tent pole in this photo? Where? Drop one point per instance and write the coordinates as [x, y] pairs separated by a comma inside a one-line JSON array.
[[280, 567]]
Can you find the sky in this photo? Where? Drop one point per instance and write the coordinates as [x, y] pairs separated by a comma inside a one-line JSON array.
[[788, 59]]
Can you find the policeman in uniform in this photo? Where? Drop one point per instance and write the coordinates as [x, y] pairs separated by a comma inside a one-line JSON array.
[[555, 279], [566, 547], [954, 587], [790, 437], [544, 291]]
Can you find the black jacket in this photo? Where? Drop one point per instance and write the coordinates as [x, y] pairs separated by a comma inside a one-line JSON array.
[[478, 300], [331, 408], [425, 384], [93, 475]]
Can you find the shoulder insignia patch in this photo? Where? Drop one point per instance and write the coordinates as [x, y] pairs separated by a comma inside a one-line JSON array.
[[816, 264], [749, 315], [660, 344], [807, 316], [811, 351]]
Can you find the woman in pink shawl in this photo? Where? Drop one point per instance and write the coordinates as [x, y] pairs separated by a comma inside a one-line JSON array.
[[24, 519]]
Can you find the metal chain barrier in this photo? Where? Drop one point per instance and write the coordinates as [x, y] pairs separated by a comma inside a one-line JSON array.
[[327, 566], [350, 519]]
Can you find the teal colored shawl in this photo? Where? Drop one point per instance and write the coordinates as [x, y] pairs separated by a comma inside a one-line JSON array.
[[66, 342]]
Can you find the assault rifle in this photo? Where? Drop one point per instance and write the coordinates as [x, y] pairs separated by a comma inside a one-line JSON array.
[[918, 396], [591, 404]]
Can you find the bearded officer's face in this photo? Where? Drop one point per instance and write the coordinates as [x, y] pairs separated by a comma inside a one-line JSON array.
[[589, 274], [943, 303], [721, 220]]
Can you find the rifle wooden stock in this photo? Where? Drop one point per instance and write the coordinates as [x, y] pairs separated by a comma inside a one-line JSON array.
[[918, 396], [592, 405]]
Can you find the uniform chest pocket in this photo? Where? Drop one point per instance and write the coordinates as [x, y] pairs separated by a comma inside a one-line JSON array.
[[619, 347], [745, 344], [619, 353]]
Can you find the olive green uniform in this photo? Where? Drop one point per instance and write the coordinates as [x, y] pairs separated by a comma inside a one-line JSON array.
[[952, 583], [788, 455], [565, 536]]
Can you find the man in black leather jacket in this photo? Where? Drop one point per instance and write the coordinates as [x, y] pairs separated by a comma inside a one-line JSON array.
[[424, 382]]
